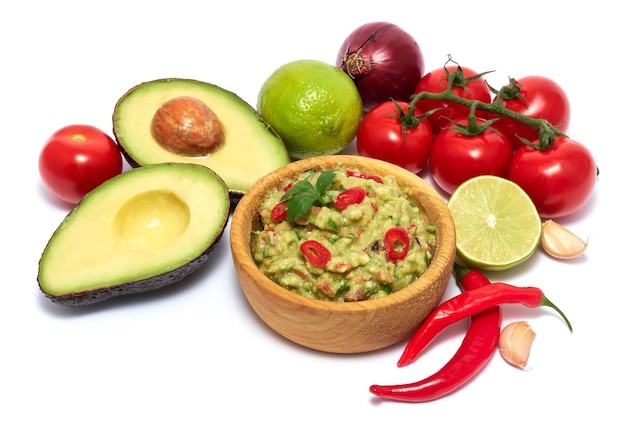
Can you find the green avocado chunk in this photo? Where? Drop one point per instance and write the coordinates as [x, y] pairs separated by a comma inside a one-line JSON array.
[[250, 148], [139, 231]]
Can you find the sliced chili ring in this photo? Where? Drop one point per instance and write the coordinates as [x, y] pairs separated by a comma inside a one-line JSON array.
[[358, 174], [315, 253], [350, 196], [397, 243], [279, 212]]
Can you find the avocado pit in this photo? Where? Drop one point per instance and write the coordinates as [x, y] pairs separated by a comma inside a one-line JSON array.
[[187, 126]]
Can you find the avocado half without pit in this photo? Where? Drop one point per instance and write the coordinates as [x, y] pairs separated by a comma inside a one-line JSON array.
[[142, 230], [189, 121]]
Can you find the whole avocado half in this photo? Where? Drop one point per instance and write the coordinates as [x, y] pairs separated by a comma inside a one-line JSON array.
[[139, 231], [251, 147]]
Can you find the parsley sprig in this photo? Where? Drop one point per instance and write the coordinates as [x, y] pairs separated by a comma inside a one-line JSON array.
[[303, 195]]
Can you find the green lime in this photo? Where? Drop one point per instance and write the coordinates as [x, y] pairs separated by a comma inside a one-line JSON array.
[[315, 107], [497, 224]]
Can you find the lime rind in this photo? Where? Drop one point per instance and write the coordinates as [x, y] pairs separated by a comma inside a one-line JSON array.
[[497, 224], [314, 106]]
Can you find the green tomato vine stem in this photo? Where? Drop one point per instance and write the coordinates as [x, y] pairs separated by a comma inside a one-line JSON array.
[[547, 132]]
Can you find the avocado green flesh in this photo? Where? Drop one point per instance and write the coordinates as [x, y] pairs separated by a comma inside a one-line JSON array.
[[142, 230], [251, 148]]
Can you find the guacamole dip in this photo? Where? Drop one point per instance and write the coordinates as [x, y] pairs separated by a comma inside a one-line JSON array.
[[342, 235]]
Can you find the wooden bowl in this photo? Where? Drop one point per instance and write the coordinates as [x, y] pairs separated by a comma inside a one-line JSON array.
[[343, 327]]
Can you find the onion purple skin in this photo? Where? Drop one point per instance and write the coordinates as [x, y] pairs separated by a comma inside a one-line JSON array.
[[384, 61]]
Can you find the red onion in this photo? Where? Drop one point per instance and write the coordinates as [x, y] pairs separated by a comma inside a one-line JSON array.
[[383, 60]]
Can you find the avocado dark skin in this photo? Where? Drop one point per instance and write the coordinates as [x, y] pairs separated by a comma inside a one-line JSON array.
[[91, 297], [140, 231]]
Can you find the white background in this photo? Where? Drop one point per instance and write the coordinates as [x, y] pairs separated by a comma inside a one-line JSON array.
[[194, 360]]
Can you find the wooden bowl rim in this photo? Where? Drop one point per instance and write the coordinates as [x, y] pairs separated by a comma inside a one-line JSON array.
[[436, 209]]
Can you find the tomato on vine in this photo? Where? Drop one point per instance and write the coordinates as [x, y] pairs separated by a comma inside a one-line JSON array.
[[468, 148], [536, 97], [464, 82], [398, 133], [76, 159], [559, 180]]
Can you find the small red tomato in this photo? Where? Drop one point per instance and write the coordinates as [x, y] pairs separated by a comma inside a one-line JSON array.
[[382, 135], [437, 81], [350, 196], [457, 157], [396, 243], [541, 98], [76, 159], [315, 252], [559, 180]]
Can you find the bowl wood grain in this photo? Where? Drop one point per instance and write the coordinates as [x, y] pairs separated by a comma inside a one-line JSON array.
[[343, 327]]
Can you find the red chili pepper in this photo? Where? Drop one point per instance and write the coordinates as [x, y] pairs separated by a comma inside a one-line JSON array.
[[469, 303], [468, 279], [279, 212], [315, 252], [350, 196], [358, 174], [396, 243], [477, 347]]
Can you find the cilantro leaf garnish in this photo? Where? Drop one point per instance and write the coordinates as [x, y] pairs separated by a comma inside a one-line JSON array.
[[303, 195]]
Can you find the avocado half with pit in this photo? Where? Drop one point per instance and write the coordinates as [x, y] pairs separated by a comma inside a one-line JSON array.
[[139, 231], [185, 120]]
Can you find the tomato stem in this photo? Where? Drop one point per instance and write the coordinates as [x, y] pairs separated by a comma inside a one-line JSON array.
[[409, 120], [547, 131], [473, 128], [79, 138]]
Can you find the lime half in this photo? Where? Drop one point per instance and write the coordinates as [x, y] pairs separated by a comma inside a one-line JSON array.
[[497, 224]]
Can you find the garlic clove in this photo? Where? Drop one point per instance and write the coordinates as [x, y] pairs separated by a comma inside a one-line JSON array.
[[560, 242], [514, 343]]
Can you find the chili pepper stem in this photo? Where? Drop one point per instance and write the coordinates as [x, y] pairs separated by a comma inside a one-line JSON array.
[[469, 303], [546, 302]]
